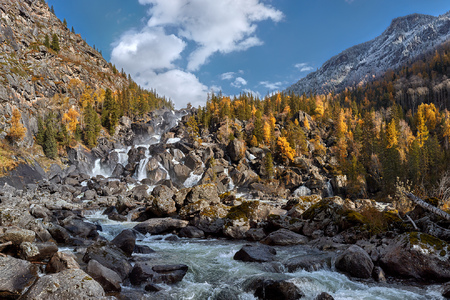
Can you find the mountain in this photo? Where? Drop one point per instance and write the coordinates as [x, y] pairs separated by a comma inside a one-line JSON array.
[[34, 75], [406, 38]]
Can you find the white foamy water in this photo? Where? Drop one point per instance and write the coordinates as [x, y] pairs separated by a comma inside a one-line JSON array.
[[213, 269]]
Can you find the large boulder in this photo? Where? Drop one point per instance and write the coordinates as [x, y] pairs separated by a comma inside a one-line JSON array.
[[309, 262], [284, 237], [144, 272], [256, 253], [418, 255], [110, 256], [17, 235], [236, 150], [109, 280], [68, 284], [80, 228], [277, 290], [162, 204], [205, 191], [160, 225], [356, 262], [15, 276], [61, 261], [126, 240]]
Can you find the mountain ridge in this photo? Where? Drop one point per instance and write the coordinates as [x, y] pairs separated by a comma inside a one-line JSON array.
[[404, 39]]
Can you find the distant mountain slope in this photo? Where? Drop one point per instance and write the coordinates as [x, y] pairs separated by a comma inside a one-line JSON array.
[[406, 38]]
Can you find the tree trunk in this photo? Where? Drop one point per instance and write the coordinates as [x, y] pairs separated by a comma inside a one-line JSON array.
[[428, 207]]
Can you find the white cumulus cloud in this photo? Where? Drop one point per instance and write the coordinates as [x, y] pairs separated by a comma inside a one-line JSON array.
[[155, 53], [304, 67], [271, 85], [239, 82]]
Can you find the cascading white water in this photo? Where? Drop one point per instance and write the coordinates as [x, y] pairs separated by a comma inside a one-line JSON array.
[[329, 189], [231, 185], [141, 172], [98, 170], [302, 191], [213, 269]]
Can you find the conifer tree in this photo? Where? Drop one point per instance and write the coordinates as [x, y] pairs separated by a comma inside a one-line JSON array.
[[65, 23], [41, 131], [50, 145], [55, 43], [110, 112], [73, 30], [422, 130], [47, 41], [52, 10], [268, 164], [91, 126]]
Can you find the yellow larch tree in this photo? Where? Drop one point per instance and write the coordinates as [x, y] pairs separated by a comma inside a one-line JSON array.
[[287, 153], [391, 135], [17, 131], [422, 130], [71, 119]]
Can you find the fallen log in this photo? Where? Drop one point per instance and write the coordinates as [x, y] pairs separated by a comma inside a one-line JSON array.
[[428, 206]]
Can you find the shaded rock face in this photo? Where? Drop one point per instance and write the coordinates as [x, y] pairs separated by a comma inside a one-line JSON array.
[[61, 261], [236, 150], [284, 237], [15, 276], [126, 241], [418, 255], [109, 256], [109, 280], [256, 253], [356, 262], [278, 290], [68, 284], [144, 272], [160, 225]]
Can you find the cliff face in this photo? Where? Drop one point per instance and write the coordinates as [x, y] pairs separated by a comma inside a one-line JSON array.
[[405, 39], [31, 74]]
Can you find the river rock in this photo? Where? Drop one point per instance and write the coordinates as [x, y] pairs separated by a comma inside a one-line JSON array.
[[80, 228], [324, 296], [356, 262], [15, 276], [28, 250], [191, 232], [61, 261], [162, 204], [109, 280], [59, 233], [144, 272], [126, 240], [236, 150], [110, 256], [284, 237], [143, 249], [312, 262], [255, 234], [160, 225], [68, 284], [256, 253], [17, 235], [205, 191], [181, 173], [446, 290], [279, 290], [418, 255], [46, 251]]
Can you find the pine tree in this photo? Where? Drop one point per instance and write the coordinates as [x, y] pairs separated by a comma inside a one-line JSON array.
[[91, 126], [391, 135], [50, 145], [47, 41], [73, 30], [110, 112], [268, 164], [41, 132], [65, 23], [52, 10], [55, 43]]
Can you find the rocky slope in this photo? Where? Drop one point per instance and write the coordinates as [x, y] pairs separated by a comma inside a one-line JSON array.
[[32, 74], [406, 38]]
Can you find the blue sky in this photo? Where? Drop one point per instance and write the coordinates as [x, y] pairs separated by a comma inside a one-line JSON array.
[[186, 48]]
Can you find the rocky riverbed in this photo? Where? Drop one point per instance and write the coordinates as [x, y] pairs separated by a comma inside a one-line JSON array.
[[155, 214]]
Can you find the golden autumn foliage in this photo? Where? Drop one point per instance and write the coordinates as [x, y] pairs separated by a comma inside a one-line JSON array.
[[422, 130], [285, 149], [391, 135], [267, 132], [71, 119], [17, 131], [306, 124]]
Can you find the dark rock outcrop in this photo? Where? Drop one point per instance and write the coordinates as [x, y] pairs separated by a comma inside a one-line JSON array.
[[356, 262], [256, 253]]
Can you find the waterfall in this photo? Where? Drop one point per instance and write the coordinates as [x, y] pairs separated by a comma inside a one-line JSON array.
[[141, 172], [329, 189], [98, 170], [302, 191]]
